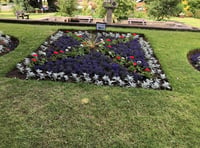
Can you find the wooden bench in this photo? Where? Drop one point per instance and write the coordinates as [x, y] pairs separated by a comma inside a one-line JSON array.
[[22, 14], [87, 19], [137, 21]]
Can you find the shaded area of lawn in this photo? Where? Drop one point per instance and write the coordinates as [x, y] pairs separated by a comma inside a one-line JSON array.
[[54, 114]]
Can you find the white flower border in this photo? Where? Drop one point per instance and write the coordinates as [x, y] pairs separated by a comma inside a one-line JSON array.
[[6, 40], [160, 82]]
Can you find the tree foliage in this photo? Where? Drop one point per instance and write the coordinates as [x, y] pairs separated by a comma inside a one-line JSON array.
[[67, 7], [124, 9], [160, 9], [194, 5]]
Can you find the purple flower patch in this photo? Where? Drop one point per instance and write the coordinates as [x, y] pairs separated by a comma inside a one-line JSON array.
[[194, 58], [102, 58]]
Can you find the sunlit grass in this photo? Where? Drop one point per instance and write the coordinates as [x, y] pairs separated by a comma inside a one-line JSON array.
[[188, 20]]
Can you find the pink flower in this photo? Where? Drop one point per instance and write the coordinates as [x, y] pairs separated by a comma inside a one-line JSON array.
[[147, 69], [134, 64], [121, 37], [118, 57], [109, 46], [61, 51], [35, 55], [108, 40], [34, 60], [131, 57], [55, 52], [134, 34]]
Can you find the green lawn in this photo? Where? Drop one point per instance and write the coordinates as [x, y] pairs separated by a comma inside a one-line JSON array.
[[10, 15], [188, 21], [55, 114]]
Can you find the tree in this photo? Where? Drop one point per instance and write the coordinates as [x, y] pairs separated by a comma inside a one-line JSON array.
[[124, 9], [67, 7], [194, 7], [160, 9]]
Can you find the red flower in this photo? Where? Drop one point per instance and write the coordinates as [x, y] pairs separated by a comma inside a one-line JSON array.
[[121, 37], [147, 69], [118, 57], [35, 55], [131, 57], [34, 60], [61, 51], [134, 34], [55, 52], [109, 46], [134, 64], [67, 31], [108, 40], [80, 36]]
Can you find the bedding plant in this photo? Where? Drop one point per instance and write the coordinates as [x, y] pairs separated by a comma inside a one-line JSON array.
[[7, 43], [102, 58], [194, 58]]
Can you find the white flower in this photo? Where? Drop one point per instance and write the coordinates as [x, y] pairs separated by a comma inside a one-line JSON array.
[[99, 82], [96, 77], [66, 77], [106, 78], [30, 75], [166, 85], [129, 78]]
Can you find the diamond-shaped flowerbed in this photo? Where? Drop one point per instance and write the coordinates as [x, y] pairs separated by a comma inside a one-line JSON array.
[[102, 58], [194, 58], [7, 43]]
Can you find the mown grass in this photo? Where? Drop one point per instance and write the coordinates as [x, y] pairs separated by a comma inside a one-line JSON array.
[[32, 16], [195, 22], [55, 114]]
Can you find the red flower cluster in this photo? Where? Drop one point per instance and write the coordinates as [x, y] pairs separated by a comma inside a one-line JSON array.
[[134, 64], [35, 55], [109, 40], [109, 46], [61, 51], [134, 34], [118, 57], [121, 37], [34, 60], [147, 69], [131, 57], [80, 36], [55, 52]]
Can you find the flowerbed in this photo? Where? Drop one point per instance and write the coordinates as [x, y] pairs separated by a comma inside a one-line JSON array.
[[7, 43], [194, 58], [102, 58]]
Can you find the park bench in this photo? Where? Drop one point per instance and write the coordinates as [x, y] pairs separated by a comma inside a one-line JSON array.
[[137, 21], [22, 14], [87, 19]]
